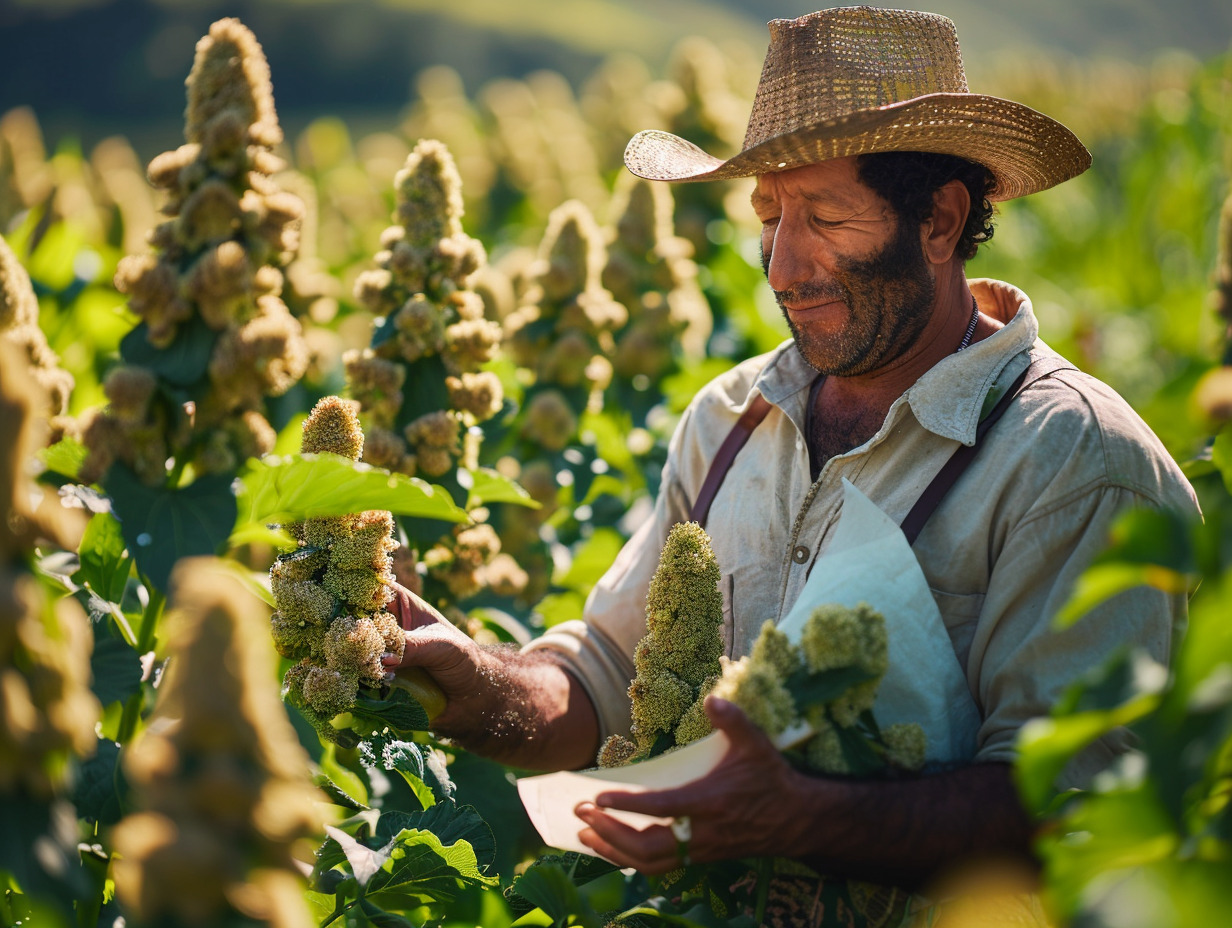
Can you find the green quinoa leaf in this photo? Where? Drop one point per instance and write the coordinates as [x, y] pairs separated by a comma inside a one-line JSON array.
[[115, 669], [279, 489], [162, 525], [183, 362], [65, 457], [105, 562], [810, 689], [487, 486]]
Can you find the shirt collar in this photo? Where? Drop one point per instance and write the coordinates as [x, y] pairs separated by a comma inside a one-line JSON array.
[[948, 398]]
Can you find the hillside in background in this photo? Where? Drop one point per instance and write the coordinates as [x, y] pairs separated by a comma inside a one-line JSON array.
[[92, 68]]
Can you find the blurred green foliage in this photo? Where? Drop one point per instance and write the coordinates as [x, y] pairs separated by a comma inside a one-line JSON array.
[[1118, 263]]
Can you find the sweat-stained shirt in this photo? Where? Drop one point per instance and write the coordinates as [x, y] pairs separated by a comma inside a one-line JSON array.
[[1001, 554]]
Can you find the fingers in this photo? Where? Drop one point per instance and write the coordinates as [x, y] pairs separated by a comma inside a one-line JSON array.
[[426, 646], [411, 610], [650, 850], [664, 803], [730, 719]]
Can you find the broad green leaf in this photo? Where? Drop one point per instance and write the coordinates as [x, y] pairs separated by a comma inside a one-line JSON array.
[[862, 760], [1045, 745], [592, 559], [65, 457], [487, 487], [1103, 834], [382, 919], [1104, 581], [546, 886], [336, 794], [183, 362], [450, 823], [1221, 456], [291, 436], [38, 846], [399, 711], [560, 607], [811, 689], [162, 525], [104, 561], [578, 869], [280, 489], [100, 787], [425, 867], [345, 778], [116, 670]]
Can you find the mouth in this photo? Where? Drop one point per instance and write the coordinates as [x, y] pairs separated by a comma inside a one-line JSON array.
[[824, 305]]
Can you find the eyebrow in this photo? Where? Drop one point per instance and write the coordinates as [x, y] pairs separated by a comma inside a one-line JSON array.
[[824, 197]]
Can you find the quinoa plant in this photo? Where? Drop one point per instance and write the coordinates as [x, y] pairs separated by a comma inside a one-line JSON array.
[[215, 338], [222, 783], [47, 709], [649, 270], [422, 386], [829, 682], [331, 593], [678, 660], [561, 338], [19, 325]]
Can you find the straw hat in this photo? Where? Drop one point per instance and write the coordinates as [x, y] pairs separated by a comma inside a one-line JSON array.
[[862, 79]]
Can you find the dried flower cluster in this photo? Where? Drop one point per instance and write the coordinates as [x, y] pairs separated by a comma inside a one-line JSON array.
[[765, 684], [419, 290], [650, 272], [561, 337], [214, 275], [19, 325], [47, 711], [331, 594], [562, 331], [678, 662], [433, 333], [222, 781]]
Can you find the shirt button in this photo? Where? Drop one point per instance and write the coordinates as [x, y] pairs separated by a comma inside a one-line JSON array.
[[800, 554]]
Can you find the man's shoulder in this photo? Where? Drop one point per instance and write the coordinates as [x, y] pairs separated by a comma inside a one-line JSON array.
[[1083, 429], [728, 394]]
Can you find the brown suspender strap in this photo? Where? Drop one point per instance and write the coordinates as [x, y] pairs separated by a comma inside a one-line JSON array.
[[933, 494], [941, 484], [739, 434]]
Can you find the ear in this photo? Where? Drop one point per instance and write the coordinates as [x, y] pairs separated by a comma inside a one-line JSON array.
[[940, 233]]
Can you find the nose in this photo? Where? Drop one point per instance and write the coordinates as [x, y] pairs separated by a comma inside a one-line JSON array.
[[786, 256]]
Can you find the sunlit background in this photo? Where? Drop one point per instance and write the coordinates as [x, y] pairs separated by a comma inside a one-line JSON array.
[[535, 100]]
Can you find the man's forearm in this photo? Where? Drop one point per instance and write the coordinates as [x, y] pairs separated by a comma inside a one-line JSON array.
[[906, 831], [528, 711]]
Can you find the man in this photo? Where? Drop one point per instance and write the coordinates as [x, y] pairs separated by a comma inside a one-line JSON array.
[[894, 358]]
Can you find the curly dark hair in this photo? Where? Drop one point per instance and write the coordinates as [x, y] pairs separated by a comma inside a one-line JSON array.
[[907, 180]]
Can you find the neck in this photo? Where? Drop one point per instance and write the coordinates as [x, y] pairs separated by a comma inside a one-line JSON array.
[[949, 317], [848, 411]]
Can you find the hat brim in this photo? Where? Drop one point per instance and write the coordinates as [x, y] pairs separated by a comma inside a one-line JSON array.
[[1025, 150]]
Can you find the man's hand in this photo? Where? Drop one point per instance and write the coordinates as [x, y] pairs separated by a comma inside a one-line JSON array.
[[902, 831], [446, 653], [526, 710], [744, 807]]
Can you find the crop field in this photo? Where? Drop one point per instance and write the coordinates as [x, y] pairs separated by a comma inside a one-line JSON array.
[[195, 728]]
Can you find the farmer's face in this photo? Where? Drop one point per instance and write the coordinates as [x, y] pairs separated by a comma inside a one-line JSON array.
[[850, 277]]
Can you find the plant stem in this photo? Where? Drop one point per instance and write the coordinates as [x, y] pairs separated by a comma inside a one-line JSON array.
[[145, 642]]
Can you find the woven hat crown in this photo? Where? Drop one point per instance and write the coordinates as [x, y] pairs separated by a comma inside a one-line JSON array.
[[836, 62], [861, 80]]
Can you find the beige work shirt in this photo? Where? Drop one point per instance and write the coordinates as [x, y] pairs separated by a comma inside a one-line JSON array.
[[1001, 554]]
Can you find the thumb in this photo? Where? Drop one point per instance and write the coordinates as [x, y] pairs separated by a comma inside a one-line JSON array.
[[730, 719]]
